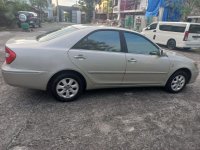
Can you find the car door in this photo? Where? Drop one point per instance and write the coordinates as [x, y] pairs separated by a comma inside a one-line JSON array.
[[144, 64], [150, 31], [194, 35], [100, 57]]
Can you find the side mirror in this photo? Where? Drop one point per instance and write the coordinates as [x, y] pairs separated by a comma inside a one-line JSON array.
[[155, 53], [148, 28], [161, 52]]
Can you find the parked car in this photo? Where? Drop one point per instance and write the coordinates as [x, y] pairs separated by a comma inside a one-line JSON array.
[[29, 17], [70, 60], [174, 34]]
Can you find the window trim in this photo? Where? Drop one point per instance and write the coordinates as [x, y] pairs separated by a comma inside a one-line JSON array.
[[122, 46], [126, 47]]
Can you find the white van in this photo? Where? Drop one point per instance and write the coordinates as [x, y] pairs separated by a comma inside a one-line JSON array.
[[174, 34]]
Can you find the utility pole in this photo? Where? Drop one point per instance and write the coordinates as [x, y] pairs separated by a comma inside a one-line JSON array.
[[119, 10], [94, 11], [57, 18]]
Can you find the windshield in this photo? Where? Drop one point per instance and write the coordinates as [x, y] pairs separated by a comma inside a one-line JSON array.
[[56, 33]]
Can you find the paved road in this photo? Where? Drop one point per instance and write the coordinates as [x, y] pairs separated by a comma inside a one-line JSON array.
[[133, 118]]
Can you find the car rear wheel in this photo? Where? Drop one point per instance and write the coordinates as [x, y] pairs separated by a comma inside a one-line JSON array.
[[171, 44], [177, 82], [67, 87]]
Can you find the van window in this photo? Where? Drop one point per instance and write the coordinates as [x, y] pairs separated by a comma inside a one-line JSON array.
[[194, 28], [173, 28], [153, 26]]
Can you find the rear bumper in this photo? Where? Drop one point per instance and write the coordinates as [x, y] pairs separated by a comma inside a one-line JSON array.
[[24, 78], [189, 44]]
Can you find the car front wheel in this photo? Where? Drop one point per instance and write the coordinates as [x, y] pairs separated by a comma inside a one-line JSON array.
[[67, 87], [177, 82]]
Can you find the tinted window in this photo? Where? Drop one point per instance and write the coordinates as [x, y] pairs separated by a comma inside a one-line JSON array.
[[194, 29], [139, 45], [101, 41], [153, 26], [173, 28], [56, 33]]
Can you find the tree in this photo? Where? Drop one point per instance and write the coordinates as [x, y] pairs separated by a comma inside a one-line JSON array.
[[88, 7], [8, 10], [190, 7], [39, 4]]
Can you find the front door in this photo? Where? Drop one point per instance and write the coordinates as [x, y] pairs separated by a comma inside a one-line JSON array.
[[100, 57], [150, 31], [144, 65]]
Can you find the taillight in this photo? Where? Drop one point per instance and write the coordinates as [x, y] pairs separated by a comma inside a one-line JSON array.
[[186, 36], [10, 55]]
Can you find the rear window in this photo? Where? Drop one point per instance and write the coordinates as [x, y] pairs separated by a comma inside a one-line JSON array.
[[194, 28], [56, 33], [173, 28]]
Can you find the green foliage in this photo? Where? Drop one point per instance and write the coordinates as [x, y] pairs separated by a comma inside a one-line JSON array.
[[88, 7], [39, 3], [8, 10], [189, 7]]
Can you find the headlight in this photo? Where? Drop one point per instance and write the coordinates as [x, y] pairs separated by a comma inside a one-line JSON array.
[[196, 65]]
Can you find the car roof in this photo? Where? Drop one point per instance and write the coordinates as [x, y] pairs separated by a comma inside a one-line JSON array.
[[102, 27], [27, 12], [165, 22]]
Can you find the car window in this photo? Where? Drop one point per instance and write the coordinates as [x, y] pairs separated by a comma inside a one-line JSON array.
[[138, 44], [153, 26], [101, 41], [56, 33], [194, 28], [173, 28]]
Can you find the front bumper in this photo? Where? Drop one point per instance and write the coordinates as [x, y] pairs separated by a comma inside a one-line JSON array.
[[194, 76]]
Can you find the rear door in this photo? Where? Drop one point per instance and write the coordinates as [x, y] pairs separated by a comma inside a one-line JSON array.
[[99, 56], [194, 35]]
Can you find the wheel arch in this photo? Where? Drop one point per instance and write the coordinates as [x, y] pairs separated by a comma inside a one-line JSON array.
[[188, 71], [66, 71]]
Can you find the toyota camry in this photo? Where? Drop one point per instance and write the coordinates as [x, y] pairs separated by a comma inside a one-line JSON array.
[[76, 58]]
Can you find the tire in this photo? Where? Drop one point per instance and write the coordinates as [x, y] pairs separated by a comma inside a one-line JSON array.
[[33, 25], [177, 82], [67, 87], [186, 48], [171, 44], [19, 25]]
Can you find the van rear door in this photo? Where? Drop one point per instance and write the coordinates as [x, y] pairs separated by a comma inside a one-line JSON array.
[[194, 35]]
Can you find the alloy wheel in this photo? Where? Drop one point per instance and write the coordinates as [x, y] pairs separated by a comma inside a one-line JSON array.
[[67, 88], [178, 83]]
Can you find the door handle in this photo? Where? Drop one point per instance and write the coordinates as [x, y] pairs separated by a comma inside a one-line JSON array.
[[79, 57], [132, 60]]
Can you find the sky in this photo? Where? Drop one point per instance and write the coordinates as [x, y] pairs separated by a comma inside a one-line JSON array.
[[65, 2]]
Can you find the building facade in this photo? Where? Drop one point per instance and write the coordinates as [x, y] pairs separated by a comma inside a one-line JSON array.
[[130, 13], [49, 9]]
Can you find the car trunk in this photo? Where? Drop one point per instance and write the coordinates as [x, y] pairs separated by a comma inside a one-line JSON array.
[[19, 42]]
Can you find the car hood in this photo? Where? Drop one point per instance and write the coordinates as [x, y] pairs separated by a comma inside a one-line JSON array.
[[176, 56]]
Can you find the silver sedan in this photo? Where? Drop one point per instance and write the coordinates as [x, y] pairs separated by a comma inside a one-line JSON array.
[[70, 60]]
